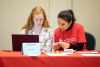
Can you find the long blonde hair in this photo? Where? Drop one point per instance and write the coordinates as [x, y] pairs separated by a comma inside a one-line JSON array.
[[30, 22]]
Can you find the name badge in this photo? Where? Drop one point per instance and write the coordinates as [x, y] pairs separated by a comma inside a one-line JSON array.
[[31, 48]]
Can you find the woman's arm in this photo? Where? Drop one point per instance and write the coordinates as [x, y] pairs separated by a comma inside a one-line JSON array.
[[56, 47], [49, 41], [22, 31], [77, 47]]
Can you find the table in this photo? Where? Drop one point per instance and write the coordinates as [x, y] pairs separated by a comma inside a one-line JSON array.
[[15, 59]]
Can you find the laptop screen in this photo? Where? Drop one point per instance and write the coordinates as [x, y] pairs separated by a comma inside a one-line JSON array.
[[18, 39]]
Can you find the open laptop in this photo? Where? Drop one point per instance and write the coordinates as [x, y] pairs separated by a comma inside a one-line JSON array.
[[18, 39]]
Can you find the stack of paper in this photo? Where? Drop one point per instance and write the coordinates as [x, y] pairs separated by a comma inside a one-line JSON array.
[[90, 53], [68, 50]]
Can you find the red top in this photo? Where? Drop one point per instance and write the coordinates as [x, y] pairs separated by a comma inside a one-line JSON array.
[[73, 36]]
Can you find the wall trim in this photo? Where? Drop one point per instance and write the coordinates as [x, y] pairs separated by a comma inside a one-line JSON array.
[[69, 4]]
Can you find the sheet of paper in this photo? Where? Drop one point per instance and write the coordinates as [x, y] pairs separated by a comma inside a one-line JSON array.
[[53, 54], [90, 54], [49, 53], [66, 53], [34, 55], [69, 50], [31, 48]]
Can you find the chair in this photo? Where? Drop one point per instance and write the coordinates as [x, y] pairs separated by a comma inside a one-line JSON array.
[[91, 41]]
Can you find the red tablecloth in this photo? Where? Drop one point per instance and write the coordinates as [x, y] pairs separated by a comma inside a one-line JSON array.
[[15, 59]]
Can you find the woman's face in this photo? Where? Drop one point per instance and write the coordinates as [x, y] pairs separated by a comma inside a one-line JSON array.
[[38, 19], [63, 25]]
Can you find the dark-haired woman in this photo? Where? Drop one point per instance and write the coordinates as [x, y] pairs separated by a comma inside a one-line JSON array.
[[69, 34]]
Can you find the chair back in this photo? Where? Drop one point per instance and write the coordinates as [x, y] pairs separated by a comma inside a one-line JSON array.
[[91, 41]]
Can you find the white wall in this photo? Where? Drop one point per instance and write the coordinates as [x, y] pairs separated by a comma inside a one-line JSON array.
[[55, 7], [87, 13], [14, 14]]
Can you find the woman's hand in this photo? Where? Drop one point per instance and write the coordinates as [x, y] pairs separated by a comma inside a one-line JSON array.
[[64, 44], [42, 48], [55, 46]]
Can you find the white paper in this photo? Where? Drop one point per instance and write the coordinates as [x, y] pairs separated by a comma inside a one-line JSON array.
[[31, 48], [66, 53], [90, 54], [95, 52], [49, 53], [53, 54], [34, 55], [69, 50]]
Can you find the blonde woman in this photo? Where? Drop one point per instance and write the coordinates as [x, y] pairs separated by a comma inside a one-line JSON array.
[[37, 24]]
